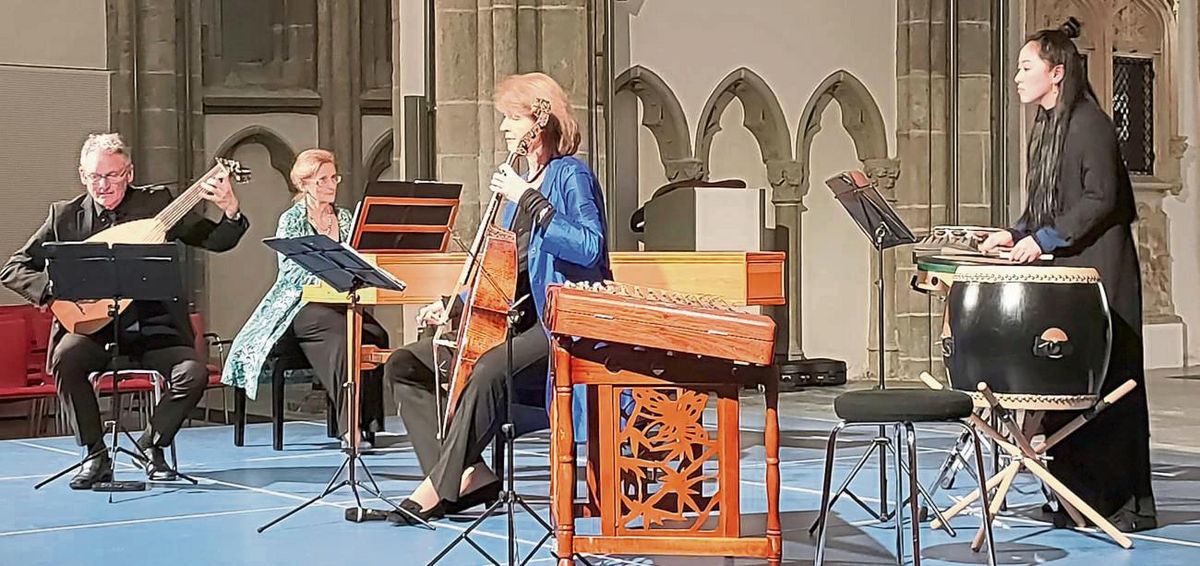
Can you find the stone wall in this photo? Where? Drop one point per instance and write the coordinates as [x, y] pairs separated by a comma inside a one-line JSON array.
[[156, 97], [925, 196]]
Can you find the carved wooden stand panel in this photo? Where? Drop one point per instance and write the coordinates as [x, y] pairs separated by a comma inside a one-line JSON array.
[[662, 480]]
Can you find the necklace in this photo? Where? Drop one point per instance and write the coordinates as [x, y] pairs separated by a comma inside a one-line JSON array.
[[324, 223]]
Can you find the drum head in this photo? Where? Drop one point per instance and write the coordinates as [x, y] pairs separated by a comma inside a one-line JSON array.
[[1007, 272], [1027, 330]]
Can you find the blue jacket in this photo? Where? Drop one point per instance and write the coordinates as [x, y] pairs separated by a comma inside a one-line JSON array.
[[572, 247]]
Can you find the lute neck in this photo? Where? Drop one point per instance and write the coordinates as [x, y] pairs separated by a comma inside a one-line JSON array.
[[178, 208]]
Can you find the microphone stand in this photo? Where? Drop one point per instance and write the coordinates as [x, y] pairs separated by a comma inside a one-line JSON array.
[[509, 499]]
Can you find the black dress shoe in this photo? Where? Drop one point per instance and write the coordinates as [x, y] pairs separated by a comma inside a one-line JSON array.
[[1124, 520], [1127, 521], [97, 469], [432, 514], [361, 515], [157, 468], [485, 495]]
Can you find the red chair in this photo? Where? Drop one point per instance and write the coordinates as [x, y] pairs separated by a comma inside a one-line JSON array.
[[39, 337], [204, 342], [145, 386], [14, 365]]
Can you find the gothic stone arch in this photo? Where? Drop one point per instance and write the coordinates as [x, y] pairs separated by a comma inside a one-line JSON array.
[[379, 157], [282, 155], [763, 117], [864, 122], [663, 116]]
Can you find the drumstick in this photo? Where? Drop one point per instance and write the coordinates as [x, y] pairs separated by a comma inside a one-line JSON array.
[[931, 381], [1113, 396], [1006, 253]]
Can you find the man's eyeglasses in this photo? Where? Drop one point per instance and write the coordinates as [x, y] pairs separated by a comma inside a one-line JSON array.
[[95, 179], [318, 181]]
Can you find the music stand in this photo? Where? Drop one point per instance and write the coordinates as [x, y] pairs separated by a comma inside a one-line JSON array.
[[96, 271], [405, 217], [857, 194], [346, 271]]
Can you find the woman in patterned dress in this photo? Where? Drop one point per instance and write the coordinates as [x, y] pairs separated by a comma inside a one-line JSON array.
[[318, 329]]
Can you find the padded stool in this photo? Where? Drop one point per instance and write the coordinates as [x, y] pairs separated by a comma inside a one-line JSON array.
[[899, 409]]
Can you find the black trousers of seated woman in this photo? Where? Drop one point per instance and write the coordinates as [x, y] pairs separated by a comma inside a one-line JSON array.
[[481, 407], [320, 331]]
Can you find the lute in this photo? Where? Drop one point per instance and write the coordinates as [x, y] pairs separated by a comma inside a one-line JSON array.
[[87, 317]]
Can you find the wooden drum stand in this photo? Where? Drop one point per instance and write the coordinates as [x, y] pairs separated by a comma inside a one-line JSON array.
[[1024, 455]]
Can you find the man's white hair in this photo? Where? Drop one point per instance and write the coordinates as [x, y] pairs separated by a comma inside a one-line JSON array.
[[104, 143]]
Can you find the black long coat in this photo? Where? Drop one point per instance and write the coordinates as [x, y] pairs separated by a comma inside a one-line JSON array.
[[1107, 462]]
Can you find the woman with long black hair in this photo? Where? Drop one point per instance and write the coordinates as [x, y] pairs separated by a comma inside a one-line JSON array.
[[1080, 208]]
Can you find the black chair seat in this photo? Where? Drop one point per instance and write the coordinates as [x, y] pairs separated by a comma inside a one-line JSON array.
[[902, 405], [285, 356]]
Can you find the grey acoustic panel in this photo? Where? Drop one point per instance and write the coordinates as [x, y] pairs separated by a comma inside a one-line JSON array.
[[46, 113], [54, 33]]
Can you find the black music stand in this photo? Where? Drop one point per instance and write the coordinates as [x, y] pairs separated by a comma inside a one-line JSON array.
[[346, 271], [879, 222], [509, 499], [83, 271]]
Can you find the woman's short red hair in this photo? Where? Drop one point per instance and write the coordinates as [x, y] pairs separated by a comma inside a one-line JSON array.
[[516, 95]]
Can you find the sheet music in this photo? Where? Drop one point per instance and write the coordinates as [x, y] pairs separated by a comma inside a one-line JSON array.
[[336, 263]]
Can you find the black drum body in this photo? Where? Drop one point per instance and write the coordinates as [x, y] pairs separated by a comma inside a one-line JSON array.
[[1027, 330]]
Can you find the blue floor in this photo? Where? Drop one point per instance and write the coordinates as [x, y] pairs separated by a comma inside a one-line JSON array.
[[243, 488]]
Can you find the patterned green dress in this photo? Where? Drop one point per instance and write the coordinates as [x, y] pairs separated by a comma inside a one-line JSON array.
[[274, 314]]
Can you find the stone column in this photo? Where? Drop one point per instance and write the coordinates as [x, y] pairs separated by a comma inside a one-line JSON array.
[[159, 97], [884, 173], [478, 43], [457, 67], [789, 185], [400, 58], [122, 38], [973, 144], [1153, 235], [923, 189], [339, 122], [154, 53]]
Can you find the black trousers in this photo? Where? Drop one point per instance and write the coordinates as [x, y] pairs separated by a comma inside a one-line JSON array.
[[320, 332], [480, 410], [76, 357]]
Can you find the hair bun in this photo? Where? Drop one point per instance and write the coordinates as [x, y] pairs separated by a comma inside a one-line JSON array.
[[1071, 27]]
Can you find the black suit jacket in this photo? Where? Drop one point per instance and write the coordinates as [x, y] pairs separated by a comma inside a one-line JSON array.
[[75, 220]]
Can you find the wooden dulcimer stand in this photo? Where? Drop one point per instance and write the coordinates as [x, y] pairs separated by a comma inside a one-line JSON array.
[[660, 478], [1024, 455]]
